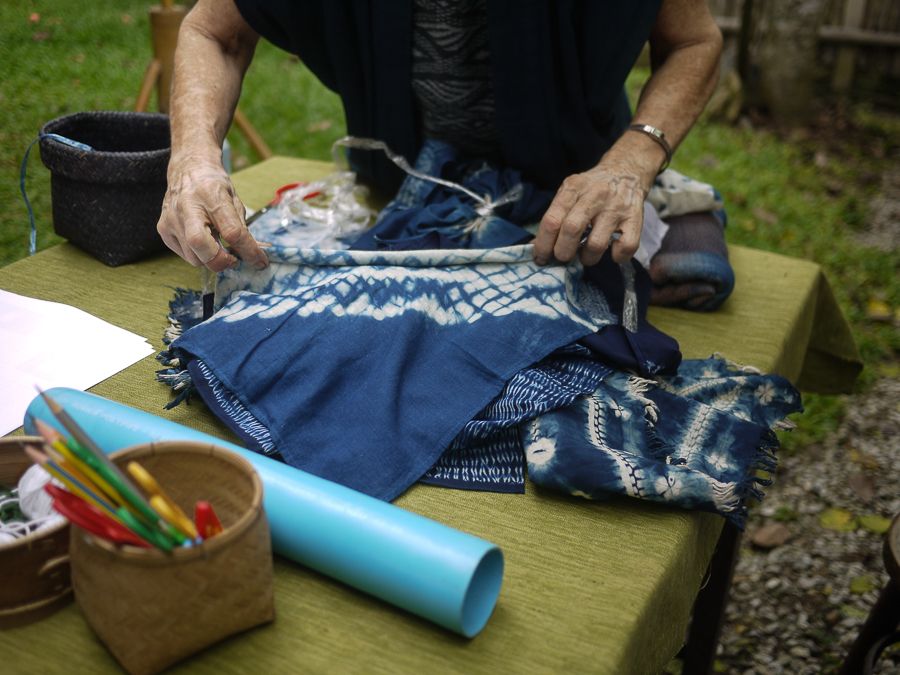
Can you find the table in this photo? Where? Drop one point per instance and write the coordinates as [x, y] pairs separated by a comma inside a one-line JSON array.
[[595, 587]]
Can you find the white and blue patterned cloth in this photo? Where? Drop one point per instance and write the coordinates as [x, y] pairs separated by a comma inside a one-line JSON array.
[[463, 367], [694, 439]]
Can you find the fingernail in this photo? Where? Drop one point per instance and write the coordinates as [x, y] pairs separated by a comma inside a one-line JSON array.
[[261, 265], [540, 260]]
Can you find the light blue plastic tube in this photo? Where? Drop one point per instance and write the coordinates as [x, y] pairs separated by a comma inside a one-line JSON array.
[[425, 567]]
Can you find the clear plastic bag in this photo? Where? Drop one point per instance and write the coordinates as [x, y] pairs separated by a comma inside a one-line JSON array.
[[321, 214]]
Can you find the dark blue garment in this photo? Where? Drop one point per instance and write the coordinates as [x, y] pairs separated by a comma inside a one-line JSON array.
[[558, 69], [648, 351]]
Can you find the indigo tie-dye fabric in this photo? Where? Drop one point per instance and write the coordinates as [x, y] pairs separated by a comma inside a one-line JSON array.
[[692, 440], [464, 367], [362, 366]]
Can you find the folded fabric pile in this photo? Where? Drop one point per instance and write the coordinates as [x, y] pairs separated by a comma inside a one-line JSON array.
[[378, 368]]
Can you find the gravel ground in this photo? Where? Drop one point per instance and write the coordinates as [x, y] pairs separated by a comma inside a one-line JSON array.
[[811, 563]]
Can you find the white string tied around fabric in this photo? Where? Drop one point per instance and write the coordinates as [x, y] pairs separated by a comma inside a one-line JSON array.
[[485, 205]]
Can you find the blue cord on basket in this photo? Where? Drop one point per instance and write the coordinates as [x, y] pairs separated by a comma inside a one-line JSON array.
[[56, 137]]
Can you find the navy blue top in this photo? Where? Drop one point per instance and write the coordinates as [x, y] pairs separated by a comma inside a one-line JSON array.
[[558, 70]]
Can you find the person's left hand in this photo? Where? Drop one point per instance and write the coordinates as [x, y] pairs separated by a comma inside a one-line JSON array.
[[611, 198]]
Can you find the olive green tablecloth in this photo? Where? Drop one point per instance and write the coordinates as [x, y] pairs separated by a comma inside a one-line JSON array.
[[590, 587]]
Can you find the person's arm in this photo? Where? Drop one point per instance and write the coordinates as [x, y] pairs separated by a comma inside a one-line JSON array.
[[685, 45], [215, 48]]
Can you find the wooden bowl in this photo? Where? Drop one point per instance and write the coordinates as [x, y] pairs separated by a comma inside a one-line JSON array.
[[34, 569]]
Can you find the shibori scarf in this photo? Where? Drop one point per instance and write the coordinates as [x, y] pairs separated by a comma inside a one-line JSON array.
[[376, 369], [362, 366]]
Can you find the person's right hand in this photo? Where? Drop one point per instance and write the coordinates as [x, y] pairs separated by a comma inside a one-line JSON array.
[[201, 207]]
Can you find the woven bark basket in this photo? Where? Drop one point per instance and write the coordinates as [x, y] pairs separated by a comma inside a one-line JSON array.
[[153, 609], [107, 201], [35, 569]]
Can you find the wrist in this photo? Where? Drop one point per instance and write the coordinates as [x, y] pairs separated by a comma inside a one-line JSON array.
[[657, 136], [194, 156], [642, 157]]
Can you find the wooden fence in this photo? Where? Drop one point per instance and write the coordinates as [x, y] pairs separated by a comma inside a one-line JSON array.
[[859, 40]]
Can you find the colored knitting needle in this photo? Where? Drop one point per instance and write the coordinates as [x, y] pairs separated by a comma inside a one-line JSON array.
[[151, 534], [207, 522], [69, 468], [176, 520], [88, 451], [161, 502], [58, 443], [90, 518], [79, 488], [98, 460]]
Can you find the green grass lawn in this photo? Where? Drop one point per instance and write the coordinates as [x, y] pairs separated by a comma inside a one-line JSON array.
[[84, 56], [806, 193]]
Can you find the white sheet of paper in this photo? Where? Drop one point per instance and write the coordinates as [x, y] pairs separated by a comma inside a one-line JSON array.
[[48, 344]]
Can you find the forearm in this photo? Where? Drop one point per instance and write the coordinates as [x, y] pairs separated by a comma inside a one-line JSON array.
[[215, 49], [201, 207], [685, 73], [685, 47]]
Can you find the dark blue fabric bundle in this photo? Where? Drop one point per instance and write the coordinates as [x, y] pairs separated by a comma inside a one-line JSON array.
[[422, 206]]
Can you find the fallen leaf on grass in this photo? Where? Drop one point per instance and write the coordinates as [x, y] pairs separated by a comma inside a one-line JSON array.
[[861, 585], [877, 310], [875, 524], [126, 18], [839, 520], [864, 460], [771, 535], [34, 18], [40, 35], [319, 126], [863, 485], [852, 612], [834, 187], [765, 215]]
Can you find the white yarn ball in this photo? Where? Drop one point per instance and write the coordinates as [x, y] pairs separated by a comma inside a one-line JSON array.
[[33, 498], [6, 538]]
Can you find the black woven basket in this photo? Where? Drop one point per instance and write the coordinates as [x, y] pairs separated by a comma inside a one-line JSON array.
[[107, 201]]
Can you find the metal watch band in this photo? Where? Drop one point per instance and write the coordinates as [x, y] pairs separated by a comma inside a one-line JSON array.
[[657, 136]]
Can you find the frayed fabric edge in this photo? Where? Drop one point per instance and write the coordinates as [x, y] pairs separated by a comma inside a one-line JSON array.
[[731, 498], [185, 307]]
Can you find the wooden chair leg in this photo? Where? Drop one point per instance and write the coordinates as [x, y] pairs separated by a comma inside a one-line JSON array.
[[699, 652], [883, 620], [151, 75], [251, 134]]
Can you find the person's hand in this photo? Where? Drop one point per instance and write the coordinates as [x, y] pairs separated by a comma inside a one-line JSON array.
[[201, 207], [611, 198]]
